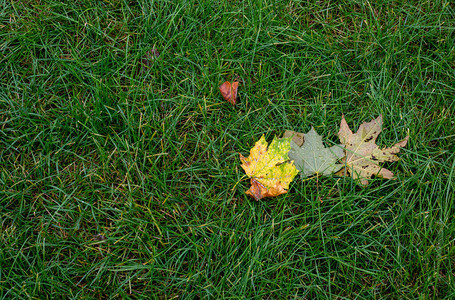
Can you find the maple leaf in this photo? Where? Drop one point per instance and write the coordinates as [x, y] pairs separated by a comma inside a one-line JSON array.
[[229, 91], [312, 157], [362, 153], [269, 168]]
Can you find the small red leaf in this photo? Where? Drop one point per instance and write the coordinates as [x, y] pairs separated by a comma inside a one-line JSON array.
[[229, 91]]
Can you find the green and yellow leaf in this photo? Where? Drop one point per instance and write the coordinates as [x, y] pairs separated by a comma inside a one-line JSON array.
[[269, 168]]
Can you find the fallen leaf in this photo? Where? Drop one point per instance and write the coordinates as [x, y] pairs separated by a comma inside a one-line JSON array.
[[362, 153], [297, 137], [99, 237], [269, 168], [229, 91], [313, 158], [148, 58]]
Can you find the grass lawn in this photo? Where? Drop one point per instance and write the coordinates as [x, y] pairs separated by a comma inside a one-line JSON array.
[[120, 174]]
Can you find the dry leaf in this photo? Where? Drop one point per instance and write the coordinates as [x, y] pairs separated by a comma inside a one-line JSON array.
[[229, 91], [269, 168], [148, 58], [297, 137], [362, 153], [99, 237]]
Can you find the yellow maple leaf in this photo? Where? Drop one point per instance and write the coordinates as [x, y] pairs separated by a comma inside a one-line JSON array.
[[269, 168]]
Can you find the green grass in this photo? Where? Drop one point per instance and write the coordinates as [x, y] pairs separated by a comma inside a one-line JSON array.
[[94, 140]]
